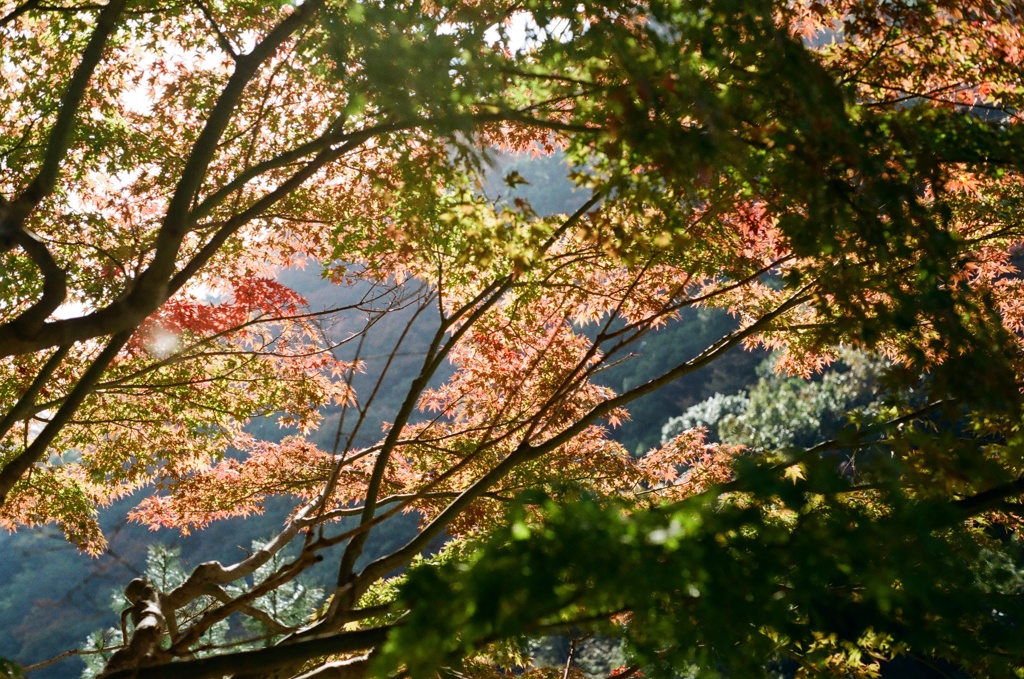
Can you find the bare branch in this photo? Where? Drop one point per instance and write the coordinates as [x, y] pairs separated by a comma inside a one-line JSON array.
[[18, 11], [252, 611], [261, 660], [67, 654]]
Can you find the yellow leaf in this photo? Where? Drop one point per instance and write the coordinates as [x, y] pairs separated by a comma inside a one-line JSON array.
[[795, 473]]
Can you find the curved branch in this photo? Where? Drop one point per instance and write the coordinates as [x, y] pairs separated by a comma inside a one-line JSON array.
[[213, 573], [18, 11], [150, 289], [252, 611], [55, 286], [262, 660], [13, 214], [160, 280], [25, 407]]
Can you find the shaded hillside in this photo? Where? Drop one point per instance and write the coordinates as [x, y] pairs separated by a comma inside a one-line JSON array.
[[52, 597]]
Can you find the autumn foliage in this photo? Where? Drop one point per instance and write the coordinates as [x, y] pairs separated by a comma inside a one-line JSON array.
[[831, 174]]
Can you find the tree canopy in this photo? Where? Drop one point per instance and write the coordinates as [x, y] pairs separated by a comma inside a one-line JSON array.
[[835, 175]]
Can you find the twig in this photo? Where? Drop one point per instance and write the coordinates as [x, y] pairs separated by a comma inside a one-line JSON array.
[[67, 654]]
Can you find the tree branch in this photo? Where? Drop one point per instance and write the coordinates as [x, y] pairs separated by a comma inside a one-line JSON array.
[[262, 660], [25, 405], [249, 610], [526, 452], [16, 468], [989, 499], [222, 39], [18, 11], [60, 136], [13, 214]]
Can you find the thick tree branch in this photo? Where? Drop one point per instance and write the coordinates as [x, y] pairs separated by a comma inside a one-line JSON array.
[[151, 285], [212, 572], [14, 470], [132, 309], [18, 11], [150, 624], [989, 499], [14, 214], [155, 285], [150, 288], [55, 288], [183, 644], [60, 136], [25, 407], [261, 661]]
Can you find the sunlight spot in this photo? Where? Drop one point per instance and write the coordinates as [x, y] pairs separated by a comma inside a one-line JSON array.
[[162, 342]]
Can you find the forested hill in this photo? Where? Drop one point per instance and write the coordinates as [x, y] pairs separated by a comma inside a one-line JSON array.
[[52, 597]]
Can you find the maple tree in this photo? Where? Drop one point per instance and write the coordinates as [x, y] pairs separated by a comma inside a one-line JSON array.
[[833, 174]]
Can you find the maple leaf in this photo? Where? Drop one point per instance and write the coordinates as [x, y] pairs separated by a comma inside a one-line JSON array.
[[795, 473]]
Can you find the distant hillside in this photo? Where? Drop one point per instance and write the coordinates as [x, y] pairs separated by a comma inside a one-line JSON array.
[[51, 597]]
